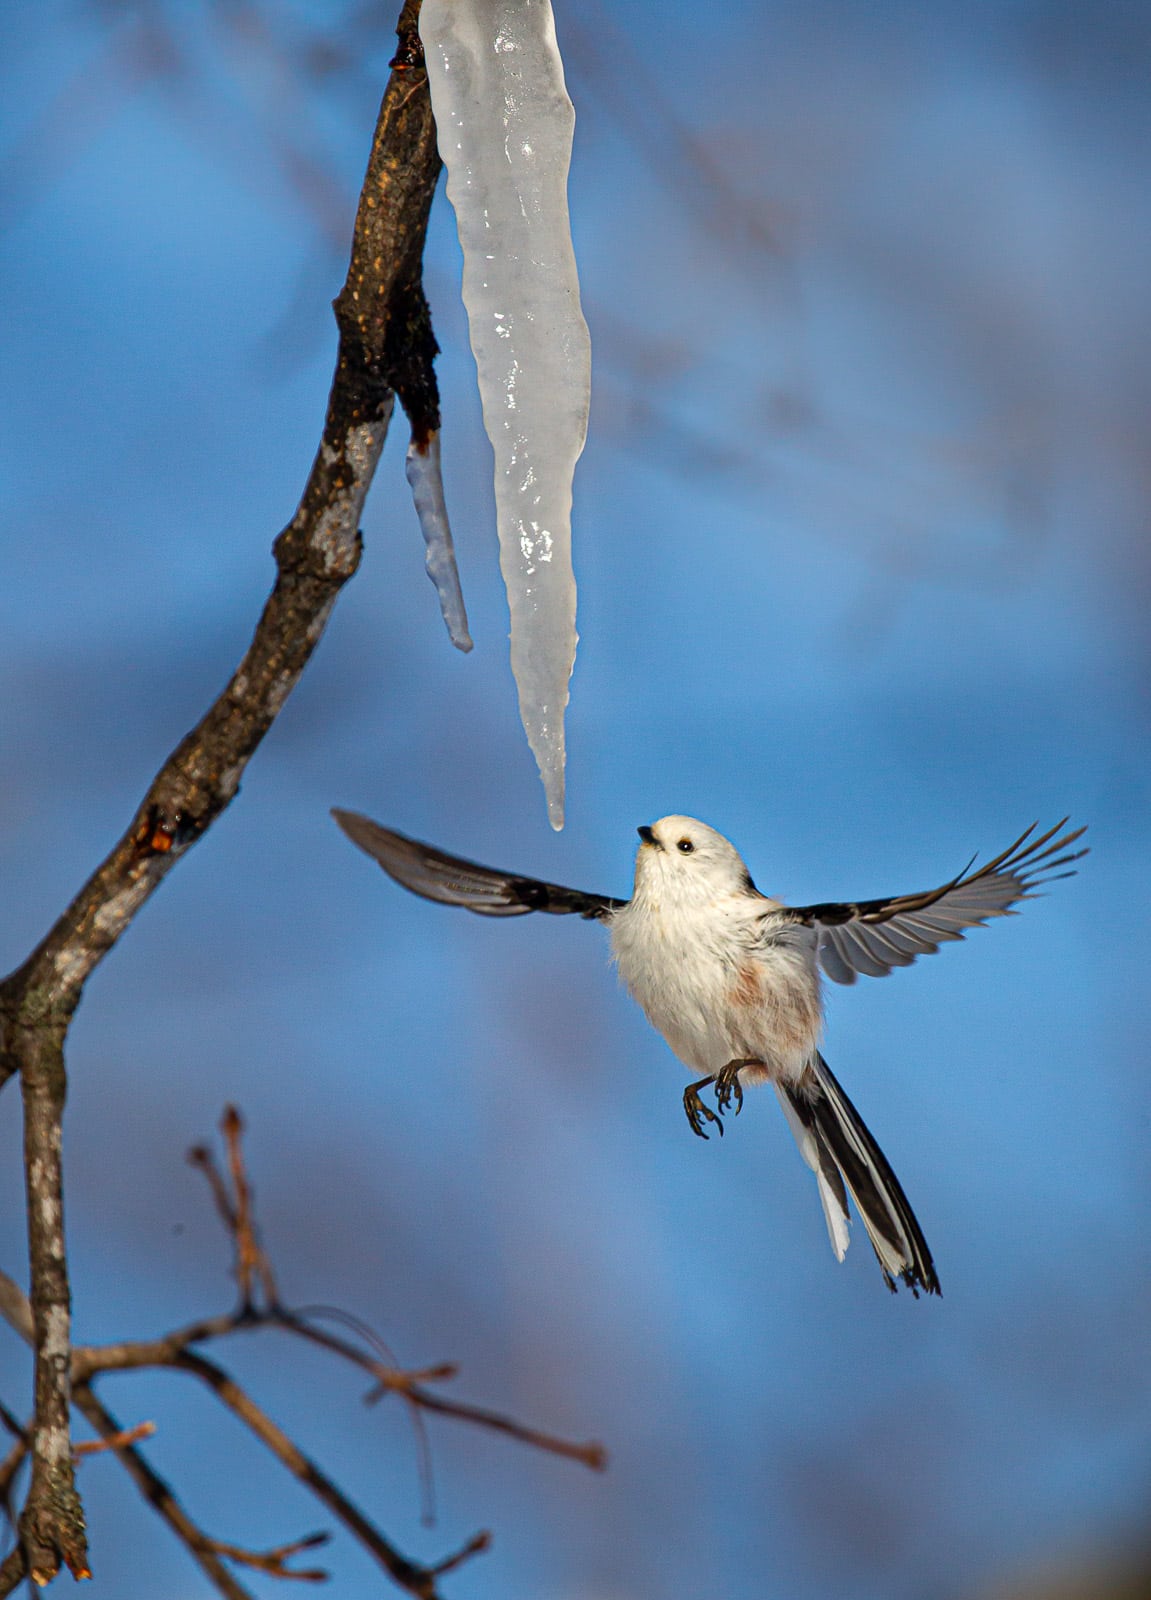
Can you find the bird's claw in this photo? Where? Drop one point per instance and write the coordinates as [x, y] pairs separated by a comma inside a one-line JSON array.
[[728, 1089], [697, 1113]]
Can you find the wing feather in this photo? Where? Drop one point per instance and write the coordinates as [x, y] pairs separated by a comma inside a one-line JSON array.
[[873, 936], [453, 881]]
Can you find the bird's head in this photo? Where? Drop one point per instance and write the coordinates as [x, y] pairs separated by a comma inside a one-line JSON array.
[[685, 859]]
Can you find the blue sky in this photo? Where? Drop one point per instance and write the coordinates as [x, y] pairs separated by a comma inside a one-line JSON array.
[[860, 532]]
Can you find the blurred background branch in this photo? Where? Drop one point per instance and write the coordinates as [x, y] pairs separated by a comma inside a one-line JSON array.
[[258, 1308]]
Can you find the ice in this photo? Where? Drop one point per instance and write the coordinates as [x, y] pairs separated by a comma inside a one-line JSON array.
[[423, 470], [504, 125]]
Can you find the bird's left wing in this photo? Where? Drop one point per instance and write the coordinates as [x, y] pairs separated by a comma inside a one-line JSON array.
[[437, 876], [873, 936]]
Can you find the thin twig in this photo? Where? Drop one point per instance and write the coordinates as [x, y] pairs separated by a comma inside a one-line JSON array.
[[115, 1441], [235, 1208], [406, 1384], [415, 1580], [203, 1157], [251, 1260], [14, 1308], [90, 1360], [160, 1496], [274, 1562], [478, 1543]]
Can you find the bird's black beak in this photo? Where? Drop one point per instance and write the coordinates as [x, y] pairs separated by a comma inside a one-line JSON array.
[[647, 836]]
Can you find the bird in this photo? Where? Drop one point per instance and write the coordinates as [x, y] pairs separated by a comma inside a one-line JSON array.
[[731, 978]]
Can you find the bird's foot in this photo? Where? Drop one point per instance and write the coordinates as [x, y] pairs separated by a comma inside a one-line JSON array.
[[728, 1089], [697, 1113]]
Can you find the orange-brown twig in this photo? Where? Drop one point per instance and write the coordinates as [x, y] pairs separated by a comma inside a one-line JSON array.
[[475, 1545], [203, 1158], [273, 1562], [251, 1262], [115, 1441]]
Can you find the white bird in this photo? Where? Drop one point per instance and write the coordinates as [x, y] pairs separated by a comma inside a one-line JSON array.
[[730, 977]]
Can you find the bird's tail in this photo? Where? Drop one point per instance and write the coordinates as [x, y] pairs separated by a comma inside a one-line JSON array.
[[834, 1141]]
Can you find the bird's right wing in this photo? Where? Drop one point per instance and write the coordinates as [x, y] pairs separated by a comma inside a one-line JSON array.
[[454, 882], [873, 936]]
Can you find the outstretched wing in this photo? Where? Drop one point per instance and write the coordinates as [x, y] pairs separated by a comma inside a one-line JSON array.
[[872, 936], [455, 882]]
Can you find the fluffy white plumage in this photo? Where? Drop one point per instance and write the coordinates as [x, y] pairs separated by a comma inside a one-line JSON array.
[[723, 973], [717, 973]]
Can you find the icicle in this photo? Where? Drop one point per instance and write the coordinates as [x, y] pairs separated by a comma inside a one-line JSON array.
[[504, 124], [423, 470]]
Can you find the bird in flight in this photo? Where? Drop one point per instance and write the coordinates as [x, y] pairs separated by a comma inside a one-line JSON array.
[[731, 978]]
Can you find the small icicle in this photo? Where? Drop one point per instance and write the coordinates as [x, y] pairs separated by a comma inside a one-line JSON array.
[[504, 123], [423, 470]]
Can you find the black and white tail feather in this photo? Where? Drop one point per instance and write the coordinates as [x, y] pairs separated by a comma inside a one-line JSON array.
[[835, 1142]]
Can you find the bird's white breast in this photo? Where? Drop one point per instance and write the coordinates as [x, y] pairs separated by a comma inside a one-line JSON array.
[[717, 987]]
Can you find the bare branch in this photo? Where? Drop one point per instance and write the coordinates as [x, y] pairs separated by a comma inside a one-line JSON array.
[[235, 1209], [159, 1495], [390, 1380], [250, 1258], [415, 1580], [385, 346], [52, 1521], [151, 1485], [474, 1547], [273, 1562], [115, 1441], [14, 1307], [591, 1454], [173, 1351], [203, 1157]]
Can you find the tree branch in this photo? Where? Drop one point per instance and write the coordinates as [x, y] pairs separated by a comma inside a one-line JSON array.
[[251, 1264], [159, 1495], [385, 345], [52, 1521], [315, 554], [415, 1580], [173, 1351]]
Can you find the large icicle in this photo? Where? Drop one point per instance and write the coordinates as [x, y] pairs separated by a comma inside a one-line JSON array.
[[427, 484], [504, 125]]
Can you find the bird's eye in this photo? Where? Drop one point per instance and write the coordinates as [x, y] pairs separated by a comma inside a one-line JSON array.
[[686, 846]]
